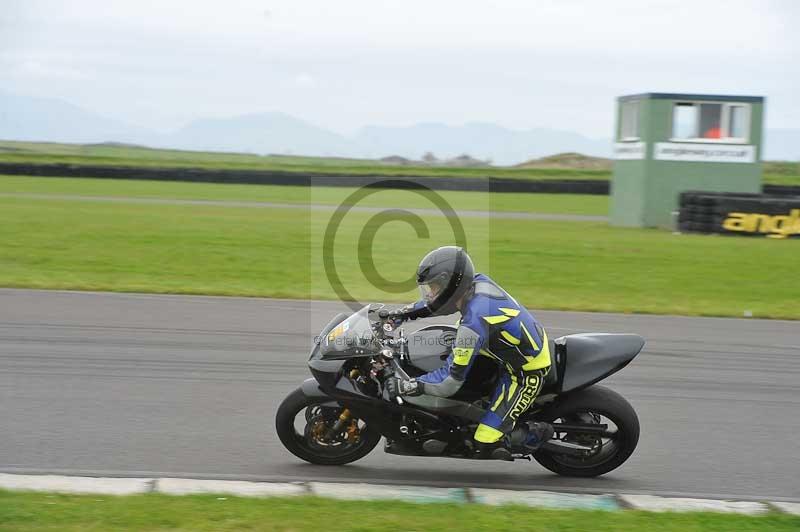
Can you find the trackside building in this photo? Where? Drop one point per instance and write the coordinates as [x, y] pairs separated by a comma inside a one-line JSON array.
[[666, 144]]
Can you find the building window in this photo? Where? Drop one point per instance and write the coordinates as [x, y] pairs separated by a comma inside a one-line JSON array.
[[684, 121], [737, 121], [710, 122], [629, 121]]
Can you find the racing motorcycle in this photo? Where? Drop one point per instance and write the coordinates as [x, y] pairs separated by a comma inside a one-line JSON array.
[[340, 414]]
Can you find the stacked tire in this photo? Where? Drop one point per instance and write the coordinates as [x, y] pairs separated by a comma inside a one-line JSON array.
[[699, 213], [705, 212]]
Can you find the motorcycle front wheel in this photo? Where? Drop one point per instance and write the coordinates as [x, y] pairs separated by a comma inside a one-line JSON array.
[[311, 429]]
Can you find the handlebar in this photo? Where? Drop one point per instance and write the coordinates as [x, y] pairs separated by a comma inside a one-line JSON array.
[[398, 370]]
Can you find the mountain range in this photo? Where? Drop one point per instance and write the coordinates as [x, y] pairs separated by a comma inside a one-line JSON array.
[[46, 119]]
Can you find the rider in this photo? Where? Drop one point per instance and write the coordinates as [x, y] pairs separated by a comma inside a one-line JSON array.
[[493, 325]]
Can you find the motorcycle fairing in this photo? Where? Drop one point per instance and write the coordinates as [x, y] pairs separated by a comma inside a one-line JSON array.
[[430, 346], [451, 407], [352, 337], [584, 359]]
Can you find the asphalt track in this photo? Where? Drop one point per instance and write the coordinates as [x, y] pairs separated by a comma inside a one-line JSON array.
[[126, 384]]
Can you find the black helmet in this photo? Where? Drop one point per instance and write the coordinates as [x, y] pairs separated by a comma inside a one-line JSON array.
[[444, 275]]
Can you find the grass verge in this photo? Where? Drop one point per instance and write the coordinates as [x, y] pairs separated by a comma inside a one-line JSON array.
[[41, 511], [498, 201], [86, 245]]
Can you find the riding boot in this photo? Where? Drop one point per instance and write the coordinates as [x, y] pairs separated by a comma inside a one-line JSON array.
[[538, 433], [493, 451]]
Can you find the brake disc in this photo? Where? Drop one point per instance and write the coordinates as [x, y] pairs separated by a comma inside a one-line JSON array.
[[315, 434], [353, 432]]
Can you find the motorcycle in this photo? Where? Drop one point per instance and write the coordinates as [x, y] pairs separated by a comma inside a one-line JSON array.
[[340, 414]]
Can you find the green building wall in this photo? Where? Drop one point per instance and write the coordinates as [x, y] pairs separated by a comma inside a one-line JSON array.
[[645, 192]]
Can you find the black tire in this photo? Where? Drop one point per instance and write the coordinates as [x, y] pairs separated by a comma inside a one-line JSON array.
[[297, 444], [703, 218], [702, 227], [706, 201], [607, 403]]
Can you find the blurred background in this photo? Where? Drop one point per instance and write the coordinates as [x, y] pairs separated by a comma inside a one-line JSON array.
[[391, 78]]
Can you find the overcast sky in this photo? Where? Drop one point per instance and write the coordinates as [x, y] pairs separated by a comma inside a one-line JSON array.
[[345, 64]]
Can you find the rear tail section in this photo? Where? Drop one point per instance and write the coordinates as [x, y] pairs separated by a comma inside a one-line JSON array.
[[584, 359]]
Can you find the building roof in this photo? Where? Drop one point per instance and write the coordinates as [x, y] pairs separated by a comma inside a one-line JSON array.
[[694, 97]]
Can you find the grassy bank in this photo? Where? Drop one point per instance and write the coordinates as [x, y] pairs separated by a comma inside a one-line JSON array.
[[41, 511], [99, 154], [779, 172], [88, 245], [481, 201]]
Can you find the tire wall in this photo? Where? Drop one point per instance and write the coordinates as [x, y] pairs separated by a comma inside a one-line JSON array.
[[760, 215]]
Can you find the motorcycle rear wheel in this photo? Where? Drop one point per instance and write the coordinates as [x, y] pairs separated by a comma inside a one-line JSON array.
[[593, 402], [305, 447]]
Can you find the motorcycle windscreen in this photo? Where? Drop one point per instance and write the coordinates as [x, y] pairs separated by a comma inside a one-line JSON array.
[[352, 337]]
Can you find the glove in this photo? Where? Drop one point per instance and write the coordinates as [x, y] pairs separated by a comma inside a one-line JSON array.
[[397, 387], [405, 310], [397, 317]]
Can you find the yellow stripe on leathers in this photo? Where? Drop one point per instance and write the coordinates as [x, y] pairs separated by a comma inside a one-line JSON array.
[[507, 314], [462, 355], [510, 338], [487, 434], [541, 360], [494, 320], [528, 335], [513, 387], [486, 353], [499, 398]]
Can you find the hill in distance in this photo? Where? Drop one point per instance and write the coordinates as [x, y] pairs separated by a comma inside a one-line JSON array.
[[575, 161], [259, 133], [46, 119]]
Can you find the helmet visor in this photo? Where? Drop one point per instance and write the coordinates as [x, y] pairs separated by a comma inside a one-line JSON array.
[[432, 289]]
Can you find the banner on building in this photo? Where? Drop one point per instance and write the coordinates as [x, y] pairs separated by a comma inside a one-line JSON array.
[[702, 152], [629, 151]]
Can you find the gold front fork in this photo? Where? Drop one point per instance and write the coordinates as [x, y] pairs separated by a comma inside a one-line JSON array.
[[339, 425]]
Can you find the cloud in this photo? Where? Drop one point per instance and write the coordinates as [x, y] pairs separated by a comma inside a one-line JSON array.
[[519, 63], [304, 81], [50, 72]]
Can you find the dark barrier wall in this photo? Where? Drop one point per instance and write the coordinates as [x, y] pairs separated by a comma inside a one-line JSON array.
[[781, 190], [741, 214], [265, 177]]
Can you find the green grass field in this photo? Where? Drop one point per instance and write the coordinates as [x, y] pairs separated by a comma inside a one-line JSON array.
[[42, 511], [479, 201], [785, 173], [91, 245]]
